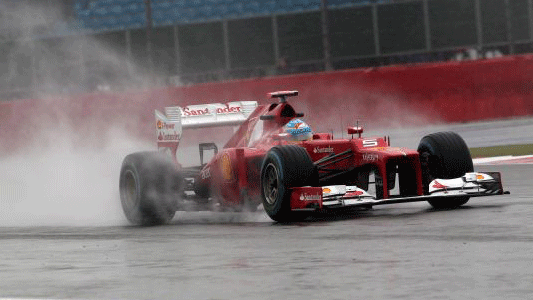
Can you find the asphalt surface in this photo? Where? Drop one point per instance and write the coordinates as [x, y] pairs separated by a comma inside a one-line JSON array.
[[480, 251], [478, 134], [404, 251]]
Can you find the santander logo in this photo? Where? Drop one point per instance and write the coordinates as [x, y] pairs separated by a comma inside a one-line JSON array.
[[228, 109], [353, 194], [438, 185], [200, 110], [168, 137], [195, 112], [323, 150], [310, 197]]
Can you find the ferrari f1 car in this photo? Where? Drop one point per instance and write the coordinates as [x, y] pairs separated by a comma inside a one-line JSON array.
[[275, 159]]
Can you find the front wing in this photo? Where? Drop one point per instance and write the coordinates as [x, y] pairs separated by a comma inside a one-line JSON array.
[[473, 184]]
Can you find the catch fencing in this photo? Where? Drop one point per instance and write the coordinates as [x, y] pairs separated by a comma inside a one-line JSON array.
[[383, 97]]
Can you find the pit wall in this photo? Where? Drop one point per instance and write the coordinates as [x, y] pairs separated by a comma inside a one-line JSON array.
[[382, 97]]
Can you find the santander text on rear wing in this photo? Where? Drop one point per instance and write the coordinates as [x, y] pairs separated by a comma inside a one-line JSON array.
[[216, 114], [169, 125]]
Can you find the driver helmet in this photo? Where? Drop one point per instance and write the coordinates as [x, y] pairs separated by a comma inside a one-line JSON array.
[[298, 130]]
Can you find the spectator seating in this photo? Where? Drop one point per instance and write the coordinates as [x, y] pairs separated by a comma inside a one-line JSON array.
[[123, 14]]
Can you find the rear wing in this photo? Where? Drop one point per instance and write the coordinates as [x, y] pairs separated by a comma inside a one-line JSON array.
[[169, 125], [216, 114]]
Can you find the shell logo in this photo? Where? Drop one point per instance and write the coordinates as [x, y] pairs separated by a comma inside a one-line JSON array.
[[225, 167]]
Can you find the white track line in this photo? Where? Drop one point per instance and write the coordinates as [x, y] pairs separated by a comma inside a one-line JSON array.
[[507, 159]]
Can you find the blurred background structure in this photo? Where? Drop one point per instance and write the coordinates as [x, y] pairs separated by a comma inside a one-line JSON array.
[[77, 46]]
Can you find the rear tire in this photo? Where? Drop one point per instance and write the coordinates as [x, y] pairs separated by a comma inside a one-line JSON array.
[[150, 186], [444, 155], [285, 167]]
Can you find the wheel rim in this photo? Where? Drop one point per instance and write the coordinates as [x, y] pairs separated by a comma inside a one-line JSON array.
[[271, 184], [130, 189]]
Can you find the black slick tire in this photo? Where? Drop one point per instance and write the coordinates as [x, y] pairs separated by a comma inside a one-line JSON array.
[[444, 155], [150, 186], [285, 167]]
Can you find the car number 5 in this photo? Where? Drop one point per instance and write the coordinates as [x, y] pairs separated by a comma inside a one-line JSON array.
[[370, 143]]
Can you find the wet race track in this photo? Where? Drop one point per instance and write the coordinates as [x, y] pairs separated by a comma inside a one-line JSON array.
[[404, 251]]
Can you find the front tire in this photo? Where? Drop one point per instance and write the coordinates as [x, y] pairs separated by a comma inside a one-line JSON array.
[[285, 167], [150, 187], [444, 155]]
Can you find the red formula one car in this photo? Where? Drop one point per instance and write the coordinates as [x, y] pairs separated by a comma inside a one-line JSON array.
[[275, 159]]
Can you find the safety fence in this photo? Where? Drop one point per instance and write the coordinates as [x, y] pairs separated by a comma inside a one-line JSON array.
[[382, 97]]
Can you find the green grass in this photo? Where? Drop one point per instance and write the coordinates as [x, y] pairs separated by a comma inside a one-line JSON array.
[[525, 149]]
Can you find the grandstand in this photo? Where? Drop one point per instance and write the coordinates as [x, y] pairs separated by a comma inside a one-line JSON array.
[[192, 41], [128, 14]]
